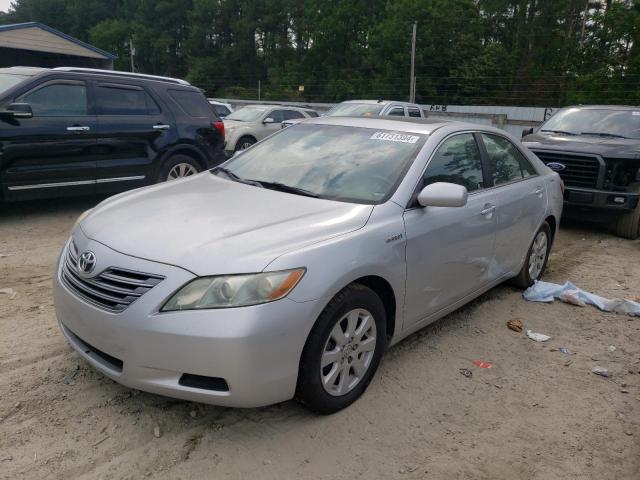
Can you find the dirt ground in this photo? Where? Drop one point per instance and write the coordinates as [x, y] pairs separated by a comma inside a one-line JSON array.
[[537, 414]]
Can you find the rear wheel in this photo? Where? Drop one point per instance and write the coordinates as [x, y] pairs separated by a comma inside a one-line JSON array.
[[628, 225], [179, 166], [244, 143], [536, 260], [343, 350]]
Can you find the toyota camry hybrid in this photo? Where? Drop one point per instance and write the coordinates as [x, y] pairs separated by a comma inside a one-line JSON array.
[[286, 271]]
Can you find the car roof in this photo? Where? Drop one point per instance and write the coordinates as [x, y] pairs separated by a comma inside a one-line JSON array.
[[23, 70], [604, 107], [378, 102]]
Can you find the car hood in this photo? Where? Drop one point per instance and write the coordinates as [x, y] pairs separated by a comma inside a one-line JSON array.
[[210, 225], [605, 147]]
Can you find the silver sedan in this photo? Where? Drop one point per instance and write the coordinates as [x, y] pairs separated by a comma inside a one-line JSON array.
[[287, 271]]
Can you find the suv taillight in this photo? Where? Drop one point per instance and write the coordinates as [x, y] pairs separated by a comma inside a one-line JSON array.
[[219, 126]]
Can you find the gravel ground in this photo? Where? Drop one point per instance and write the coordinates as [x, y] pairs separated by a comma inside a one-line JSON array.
[[537, 414]]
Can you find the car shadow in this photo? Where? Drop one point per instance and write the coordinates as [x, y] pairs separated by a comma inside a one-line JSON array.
[[51, 206]]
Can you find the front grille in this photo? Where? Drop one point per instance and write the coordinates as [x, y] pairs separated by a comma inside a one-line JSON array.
[[114, 289], [580, 171]]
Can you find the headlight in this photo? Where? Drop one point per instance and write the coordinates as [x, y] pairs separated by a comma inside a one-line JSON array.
[[234, 290], [82, 216]]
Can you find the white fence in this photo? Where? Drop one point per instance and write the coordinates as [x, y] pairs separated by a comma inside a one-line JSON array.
[[511, 119]]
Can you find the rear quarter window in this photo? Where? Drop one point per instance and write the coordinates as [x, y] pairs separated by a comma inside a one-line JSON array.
[[192, 103]]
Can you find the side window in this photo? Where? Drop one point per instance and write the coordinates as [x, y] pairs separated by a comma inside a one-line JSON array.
[[414, 112], [396, 112], [192, 103], [508, 164], [58, 99], [458, 161], [221, 110], [312, 113], [115, 100], [277, 115], [289, 114]]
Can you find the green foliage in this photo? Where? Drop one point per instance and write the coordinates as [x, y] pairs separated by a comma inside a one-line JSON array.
[[519, 52]]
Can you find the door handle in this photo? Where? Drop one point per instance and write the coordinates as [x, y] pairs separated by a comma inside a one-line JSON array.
[[162, 127], [539, 191], [488, 209], [78, 128]]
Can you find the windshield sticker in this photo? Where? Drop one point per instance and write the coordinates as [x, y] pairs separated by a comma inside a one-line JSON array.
[[394, 137]]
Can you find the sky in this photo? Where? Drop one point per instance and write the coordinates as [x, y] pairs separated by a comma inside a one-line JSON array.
[[4, 5]]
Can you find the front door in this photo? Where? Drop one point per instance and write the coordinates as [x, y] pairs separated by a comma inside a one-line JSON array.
[[54, 151], [132, 130], [450, 249]]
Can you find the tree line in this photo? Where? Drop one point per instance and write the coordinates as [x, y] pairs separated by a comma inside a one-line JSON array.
[[505, 52]]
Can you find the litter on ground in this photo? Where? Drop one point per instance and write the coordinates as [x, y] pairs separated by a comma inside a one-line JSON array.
[[603, 372], [547, 292], [538, 337], [481, 364], [515, 324]]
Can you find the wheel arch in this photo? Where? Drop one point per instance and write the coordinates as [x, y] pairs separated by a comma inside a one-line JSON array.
[[245, 135], [553, 225], [184, 149]]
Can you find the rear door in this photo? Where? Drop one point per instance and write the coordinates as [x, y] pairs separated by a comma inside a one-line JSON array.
[[450, 249], [520, 200], [52, 153], [132, 130]]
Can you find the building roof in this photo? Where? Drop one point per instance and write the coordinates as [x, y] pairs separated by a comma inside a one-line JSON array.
[[40, 37]]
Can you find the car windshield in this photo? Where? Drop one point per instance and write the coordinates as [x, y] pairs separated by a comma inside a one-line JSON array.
[[8, 80], [247, 114], [355, 110], [359, 165], [603, 122]]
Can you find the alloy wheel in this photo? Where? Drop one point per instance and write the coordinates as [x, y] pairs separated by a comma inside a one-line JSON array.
[[538, 255], [181, 170], [348, 352]]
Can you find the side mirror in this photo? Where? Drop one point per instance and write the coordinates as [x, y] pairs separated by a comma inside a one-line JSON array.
[[269, 120], [527, 131], [19, 110], [442, 194]]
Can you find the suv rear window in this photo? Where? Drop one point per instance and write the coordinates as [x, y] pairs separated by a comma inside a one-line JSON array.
[[115, 100], [193, 103]]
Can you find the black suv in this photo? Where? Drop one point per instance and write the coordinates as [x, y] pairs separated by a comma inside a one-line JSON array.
[[596, 151], [76, 131]]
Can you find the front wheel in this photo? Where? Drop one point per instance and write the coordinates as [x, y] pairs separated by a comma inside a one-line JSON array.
[[628, 225], [537, 257], [244, 143], [343, 350]]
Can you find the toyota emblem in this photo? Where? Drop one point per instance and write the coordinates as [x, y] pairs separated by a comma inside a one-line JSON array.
[[86, 262]]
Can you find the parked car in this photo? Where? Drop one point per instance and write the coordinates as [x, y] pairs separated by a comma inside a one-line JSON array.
[[318, 248], [252, 123], [222, 109], [369, 108], [74, 131], [595, 150]]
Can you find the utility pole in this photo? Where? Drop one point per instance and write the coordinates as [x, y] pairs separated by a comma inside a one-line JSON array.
[[412, 81], [131, 54]]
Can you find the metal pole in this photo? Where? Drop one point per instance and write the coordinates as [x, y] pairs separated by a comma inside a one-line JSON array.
[[258, 90], [412, 85], [133, 69]]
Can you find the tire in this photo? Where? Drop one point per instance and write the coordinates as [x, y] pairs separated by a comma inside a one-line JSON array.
[[524, 278], [628, 225], [244, 142], [362, 350], [176, 164]]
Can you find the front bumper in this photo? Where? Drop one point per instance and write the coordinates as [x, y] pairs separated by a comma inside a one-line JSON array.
[[605, 201], [255, 350]]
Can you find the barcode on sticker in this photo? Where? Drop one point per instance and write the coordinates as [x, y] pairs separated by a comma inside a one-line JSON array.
[[394, 137]]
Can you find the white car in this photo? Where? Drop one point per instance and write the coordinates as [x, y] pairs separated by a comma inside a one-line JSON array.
[[222, 109], [252, 123]]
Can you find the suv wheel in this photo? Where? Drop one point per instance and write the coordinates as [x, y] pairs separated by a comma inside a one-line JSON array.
[[179, 166], [244, 143], [628, 225], [537, 256], [343, 350]]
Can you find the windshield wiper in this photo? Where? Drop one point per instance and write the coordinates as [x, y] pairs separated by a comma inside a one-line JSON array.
[[561, 132], [236, 178], [604, 134], [281, 187]]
